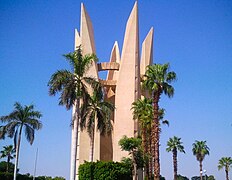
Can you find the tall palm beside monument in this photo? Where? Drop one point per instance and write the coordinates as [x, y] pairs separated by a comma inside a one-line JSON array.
[[97, 115], [157, 80], [225, 162], [21, 117], [173, 145], [200, 149], [9, 153], [73, 86], [143, 111]]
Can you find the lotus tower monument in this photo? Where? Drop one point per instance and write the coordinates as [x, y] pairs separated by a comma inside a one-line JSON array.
[[122, 87]]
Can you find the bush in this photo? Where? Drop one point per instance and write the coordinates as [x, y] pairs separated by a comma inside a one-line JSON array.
[[9, 176], [180, 177], [6, 176], [104, 171], [3, 165]]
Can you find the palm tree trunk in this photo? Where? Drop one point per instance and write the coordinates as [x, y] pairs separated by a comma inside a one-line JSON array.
[[8, 162], [17, 153], [92, 139], [150, 156], [175, 163], [227, 173], [145, 144], [74, 140], [91, 145], [134, 167], [201, 170], [155, 136]]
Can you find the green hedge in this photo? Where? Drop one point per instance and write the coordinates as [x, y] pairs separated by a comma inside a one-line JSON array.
[[104, 171], [9, 176]]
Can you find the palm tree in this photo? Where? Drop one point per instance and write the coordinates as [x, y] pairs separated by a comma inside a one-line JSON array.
[[174, 144], [73, 86], [200, 149], [143, 111], [9, 153], [225, 162], [157, 80], [22, 116], [96, 113], [132, 145]]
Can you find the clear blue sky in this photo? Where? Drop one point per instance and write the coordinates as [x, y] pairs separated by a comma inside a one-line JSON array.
[[195, 36]]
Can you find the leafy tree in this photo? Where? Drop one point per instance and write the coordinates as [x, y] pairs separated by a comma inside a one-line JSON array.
[[132, 145], [9, 153], [200, 149], [73, 86], [180, 177], [58, 178], [211, 177], [225, 162], [174, 144], [3, 167], [97, 113], [22, 116], [157, 80]]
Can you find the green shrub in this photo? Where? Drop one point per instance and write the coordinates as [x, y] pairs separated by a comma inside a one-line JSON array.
[[6, 176], [104, 171], [3, 165]]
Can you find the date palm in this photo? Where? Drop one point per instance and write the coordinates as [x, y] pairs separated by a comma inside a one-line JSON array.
[[9, 153], [173, 145], [157, 80], [96, 114], [225, 162], [73, 87], [22, 117], [200, 150], [143, 111]]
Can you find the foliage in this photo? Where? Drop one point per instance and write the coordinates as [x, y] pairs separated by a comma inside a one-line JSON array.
[[49, 178], [97, 112], [162, 178], [72, 84], [211, 177], [180, 177], [129, 144], [175, 144], [200, 149], [9, 176], [102, 110], [8, 152], [73, 87], [21, 118], [225, 162], [133, 146], [157, 80], [6, 176], [105, 171], [3, 167]]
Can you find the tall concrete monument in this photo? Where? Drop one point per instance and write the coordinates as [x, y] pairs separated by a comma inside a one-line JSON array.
[[122, 86]]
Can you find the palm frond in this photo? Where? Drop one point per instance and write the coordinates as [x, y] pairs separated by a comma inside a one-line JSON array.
[[3, 132], [29, 133]]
